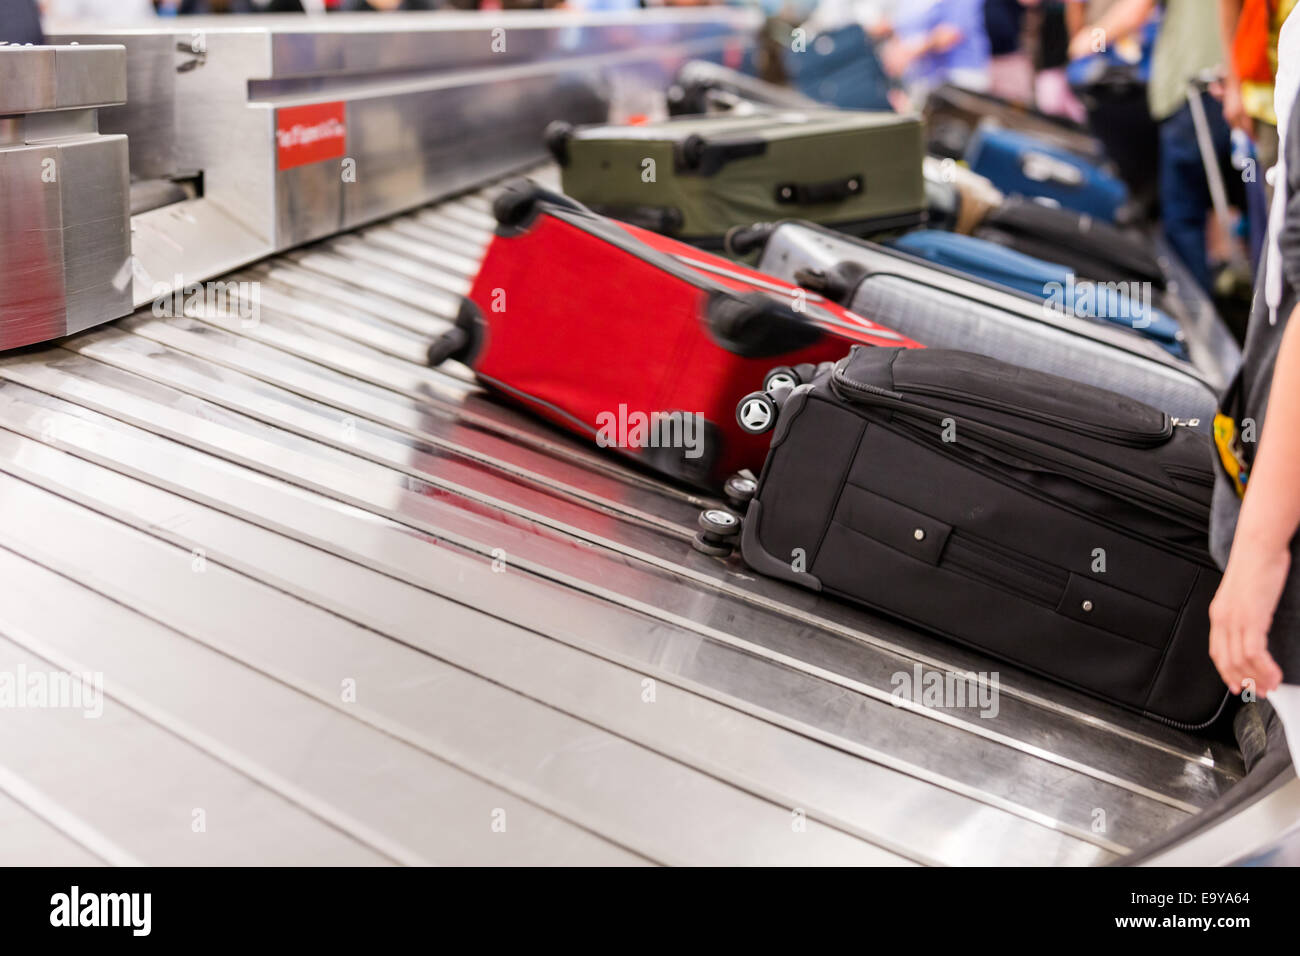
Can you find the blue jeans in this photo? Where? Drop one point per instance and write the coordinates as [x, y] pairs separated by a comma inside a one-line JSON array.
[[1184, 192]]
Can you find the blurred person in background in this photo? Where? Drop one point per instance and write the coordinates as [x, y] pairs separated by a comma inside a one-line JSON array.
[[1081, 13], [100, 11], [874, 16], [1250, 31], [381, 5], [200, 7], [1011, 68], [1187, 46], [20, 22], [936, 42], [1051, 54]]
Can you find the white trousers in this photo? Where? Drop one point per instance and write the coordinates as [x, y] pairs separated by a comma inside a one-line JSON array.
[[1286, 702]]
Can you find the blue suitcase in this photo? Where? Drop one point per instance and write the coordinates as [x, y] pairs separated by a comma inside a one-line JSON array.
[[840, 68], [1056, 284], [1020, 164]]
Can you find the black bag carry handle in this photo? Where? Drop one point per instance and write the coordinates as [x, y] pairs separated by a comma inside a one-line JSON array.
[[811, 194], [757, 325]]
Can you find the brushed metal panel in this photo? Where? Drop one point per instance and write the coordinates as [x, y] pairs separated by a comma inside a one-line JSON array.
[[31, 248], [435, 103], [96, 230], [221, 134], [310, 201], [59, 124], [435, 142], [27, 80], [40, 78], [443, 41], [89, 75], [148, 115]]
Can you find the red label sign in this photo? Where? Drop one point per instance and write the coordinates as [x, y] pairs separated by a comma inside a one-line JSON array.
[[309, 134]]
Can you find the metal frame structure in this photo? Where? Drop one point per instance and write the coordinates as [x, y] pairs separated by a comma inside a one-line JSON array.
[[348, 609]]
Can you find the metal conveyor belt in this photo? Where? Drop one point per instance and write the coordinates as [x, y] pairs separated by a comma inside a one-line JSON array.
[[349, 609]]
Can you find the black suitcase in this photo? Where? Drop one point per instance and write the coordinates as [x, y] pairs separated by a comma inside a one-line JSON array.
[[1049, 523], [703, 87], [1115, 96], [1093, 249]]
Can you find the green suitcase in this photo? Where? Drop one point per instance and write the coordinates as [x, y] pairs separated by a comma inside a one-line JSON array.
[[696, 177]]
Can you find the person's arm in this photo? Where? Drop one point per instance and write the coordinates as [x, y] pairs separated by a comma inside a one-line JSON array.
[[1119, 21], [1229, 14], [1241, 614], [900, 53], [1234, 110], [1242, 611], [1076, 16]]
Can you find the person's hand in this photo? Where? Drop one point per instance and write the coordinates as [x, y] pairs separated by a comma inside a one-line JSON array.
[[944, 37], [899, 101], [897, 55], [1234, 108], [1081, 44], [1241, 615]]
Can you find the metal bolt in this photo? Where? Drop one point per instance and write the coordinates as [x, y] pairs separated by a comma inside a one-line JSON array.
[[919, 534], [1087, 605]]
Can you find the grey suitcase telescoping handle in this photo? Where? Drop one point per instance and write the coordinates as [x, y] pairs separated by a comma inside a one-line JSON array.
[[1213, 172]]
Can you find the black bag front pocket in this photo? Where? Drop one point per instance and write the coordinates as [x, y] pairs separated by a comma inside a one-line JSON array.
[[894, 557]]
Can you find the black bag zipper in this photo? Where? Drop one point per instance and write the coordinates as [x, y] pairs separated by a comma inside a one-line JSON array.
[[1127, 437], [1116, 436], [1109, 482]]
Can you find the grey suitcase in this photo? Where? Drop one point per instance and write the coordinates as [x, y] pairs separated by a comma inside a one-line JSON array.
[[943, 308]]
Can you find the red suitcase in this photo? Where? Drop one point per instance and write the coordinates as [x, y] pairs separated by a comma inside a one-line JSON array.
[[639, 341]]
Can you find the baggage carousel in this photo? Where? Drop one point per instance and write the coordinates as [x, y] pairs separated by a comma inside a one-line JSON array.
[[349, 609]]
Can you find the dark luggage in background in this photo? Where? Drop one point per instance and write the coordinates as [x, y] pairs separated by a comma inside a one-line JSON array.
[[702, 87], [962, 201], [1053, 525], [1115, 96], [1021, 164], [595, 325], [953, 114], [942, 308], [1092, 248], [1046, 281], [695, 177], [1112, 86], [840, 68]]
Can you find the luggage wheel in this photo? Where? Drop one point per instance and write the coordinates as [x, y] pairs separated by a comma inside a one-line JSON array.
[[783, 376], [756, 413], [739, 489], [718, 532], [700, 544]]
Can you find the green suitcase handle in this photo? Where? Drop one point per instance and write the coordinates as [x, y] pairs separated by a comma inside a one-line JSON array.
[[812, 194]]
